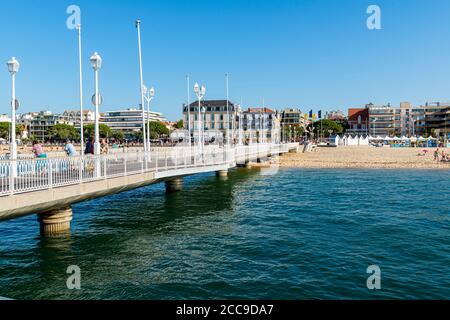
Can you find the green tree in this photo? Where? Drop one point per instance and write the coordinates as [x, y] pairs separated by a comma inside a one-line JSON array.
[[295, 129], [325, 126], [105, 131], [179, 124], [158, 129], [5, 128], [138, 135], [62, 132], [118, 135]]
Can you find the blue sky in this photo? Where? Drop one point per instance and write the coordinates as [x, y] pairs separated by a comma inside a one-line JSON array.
[[315, 54]]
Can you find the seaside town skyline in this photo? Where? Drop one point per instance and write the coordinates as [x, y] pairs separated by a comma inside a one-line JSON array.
[[224, 158], [282, 75]]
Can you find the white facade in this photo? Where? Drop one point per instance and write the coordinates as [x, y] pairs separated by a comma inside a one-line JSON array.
[[129, 120]]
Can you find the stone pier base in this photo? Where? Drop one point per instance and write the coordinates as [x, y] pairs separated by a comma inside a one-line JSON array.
[[248, 165], [56, 221], [222, 174], [174, 185]]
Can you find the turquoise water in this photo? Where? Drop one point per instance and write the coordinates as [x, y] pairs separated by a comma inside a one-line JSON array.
[[301, 234]]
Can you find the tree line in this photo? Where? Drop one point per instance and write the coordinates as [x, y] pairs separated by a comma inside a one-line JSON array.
[[64, 132]]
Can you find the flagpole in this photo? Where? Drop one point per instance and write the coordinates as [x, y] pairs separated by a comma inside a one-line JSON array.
[[81, 89], [189, 107], [228, 112], [138, 27]]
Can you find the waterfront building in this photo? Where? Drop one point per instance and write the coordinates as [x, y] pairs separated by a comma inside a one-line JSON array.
[[41, 122], [437, 119], [214, 113], [412, 120], [358, 121], [73, 116], [5, 118], [129, 120], [261, 125], [384, 120], [336, 115], [292, 117]]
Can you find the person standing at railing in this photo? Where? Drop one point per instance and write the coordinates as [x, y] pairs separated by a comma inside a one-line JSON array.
[[104, 148], [38, 150], [89, 146], [70, 149]]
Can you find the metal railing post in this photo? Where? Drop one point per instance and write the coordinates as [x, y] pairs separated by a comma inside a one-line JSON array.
[[11, 176], [50, 174], [80, 168], [104, 167], [125, 165]]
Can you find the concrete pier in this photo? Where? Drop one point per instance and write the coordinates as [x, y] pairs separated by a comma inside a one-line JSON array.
[[174, 185], [222, 174], [56, 221]]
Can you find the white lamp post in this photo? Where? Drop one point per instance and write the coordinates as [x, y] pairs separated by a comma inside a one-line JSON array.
[[240, 125], [96, 63], [13, 68], [148, 95], [200, 92], [189, 108]]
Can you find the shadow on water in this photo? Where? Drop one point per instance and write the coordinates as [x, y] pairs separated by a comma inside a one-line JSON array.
[[152, 210]]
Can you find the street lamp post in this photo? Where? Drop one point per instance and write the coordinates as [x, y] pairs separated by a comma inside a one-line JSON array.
[[228, 113], [189, 108], [13, 68], [200, 93], [240, 125], [148, 95], [96, 63]]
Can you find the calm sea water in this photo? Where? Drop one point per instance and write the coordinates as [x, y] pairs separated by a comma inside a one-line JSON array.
[[301, 234]]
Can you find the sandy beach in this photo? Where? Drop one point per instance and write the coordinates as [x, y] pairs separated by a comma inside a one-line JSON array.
[[364, 157]]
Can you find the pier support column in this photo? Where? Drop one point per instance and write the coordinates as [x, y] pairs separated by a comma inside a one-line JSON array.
[[56, 221], [222, 174], [174, 185]]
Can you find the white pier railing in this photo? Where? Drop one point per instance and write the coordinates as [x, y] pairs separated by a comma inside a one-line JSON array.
[[27, 175]]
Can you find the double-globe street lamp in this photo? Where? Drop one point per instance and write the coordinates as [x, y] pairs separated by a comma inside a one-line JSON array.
[[96, 63], [13, 68], [200, 92], [148, 95]]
